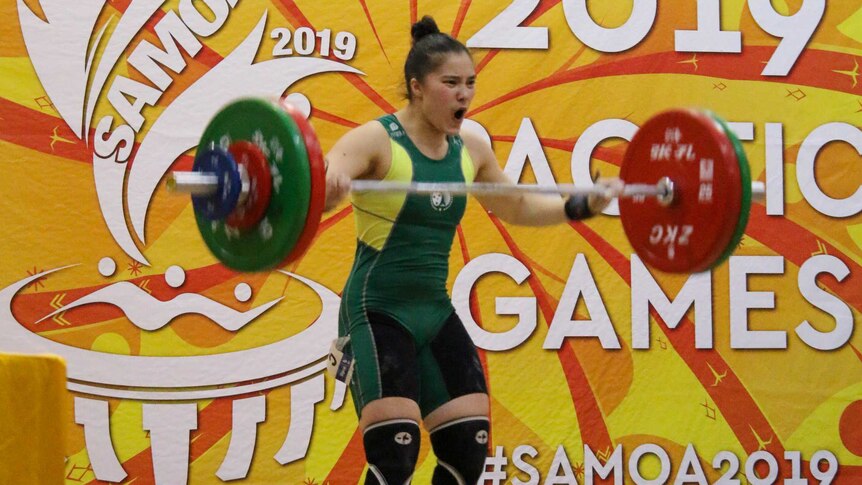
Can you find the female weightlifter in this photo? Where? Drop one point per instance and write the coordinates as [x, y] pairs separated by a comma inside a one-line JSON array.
[[414, 361]]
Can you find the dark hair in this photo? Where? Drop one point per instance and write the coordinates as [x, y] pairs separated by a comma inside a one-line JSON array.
[[427, 53]]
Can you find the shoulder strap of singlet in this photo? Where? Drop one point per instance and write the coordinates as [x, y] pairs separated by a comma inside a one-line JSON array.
[[393, 127], [396, 132], [456, 142]]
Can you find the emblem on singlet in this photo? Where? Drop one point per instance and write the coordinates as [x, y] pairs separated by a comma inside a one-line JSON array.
[[441, 201], [395, 130]]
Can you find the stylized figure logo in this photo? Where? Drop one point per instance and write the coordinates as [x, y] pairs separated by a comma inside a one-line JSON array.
[[58, 49], [298, 361]]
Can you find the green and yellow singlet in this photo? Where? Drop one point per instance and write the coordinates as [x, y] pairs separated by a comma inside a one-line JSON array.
[[403, 241]]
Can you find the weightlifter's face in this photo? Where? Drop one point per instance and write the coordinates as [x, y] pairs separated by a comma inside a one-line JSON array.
[[446, 93]]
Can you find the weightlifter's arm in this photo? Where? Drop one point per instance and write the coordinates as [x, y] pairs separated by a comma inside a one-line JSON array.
[[355, 155], [527, 209]]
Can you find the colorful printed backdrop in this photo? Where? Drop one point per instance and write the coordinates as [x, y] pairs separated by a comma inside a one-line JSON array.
[[182, 371]]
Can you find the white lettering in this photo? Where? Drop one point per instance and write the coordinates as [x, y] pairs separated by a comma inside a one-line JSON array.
[[605, 39], [524, 307], [119, 143], [581, 282], [586, 145], [808, 152], [124, 88], [741, 300], [708, 37], [528, 147], [171, 31], [825, 301], [646, 293]]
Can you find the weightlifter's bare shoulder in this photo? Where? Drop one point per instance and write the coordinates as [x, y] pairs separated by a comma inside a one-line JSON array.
[[362, 152]]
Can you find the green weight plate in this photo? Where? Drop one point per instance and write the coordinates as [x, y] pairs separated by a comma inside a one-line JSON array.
[[745, 176], [317, 167], [265, 245]]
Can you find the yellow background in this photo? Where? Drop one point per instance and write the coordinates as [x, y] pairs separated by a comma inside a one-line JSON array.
[[796, 396]]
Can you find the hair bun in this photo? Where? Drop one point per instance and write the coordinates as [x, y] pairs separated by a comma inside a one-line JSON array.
[[424, 27]]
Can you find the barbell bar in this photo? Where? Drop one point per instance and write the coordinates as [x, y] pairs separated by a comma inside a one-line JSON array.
[[206, 184]]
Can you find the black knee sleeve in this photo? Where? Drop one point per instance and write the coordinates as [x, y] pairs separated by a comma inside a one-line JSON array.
[[391, 448], [461, 447]]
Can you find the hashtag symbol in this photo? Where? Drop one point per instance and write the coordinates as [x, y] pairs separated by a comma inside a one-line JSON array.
[[497, 463]]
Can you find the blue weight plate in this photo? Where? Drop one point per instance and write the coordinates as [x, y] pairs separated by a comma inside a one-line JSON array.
[[223, 201]]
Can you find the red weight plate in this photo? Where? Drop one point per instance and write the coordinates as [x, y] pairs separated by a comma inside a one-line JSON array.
[[252, 209], [318, 183], [691, 233]]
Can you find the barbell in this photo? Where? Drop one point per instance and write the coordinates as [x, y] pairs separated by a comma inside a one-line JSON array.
[[258, 187]]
